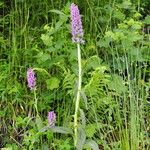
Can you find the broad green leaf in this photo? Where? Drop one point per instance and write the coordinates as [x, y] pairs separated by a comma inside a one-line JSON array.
[[39, 123], [83, 96], [119, 15], [92, 63], [147, 19], [125, 5], [41, 70], [42, 57], [52, 83], [65, 144], [62, 130], [57, 129], [57, 12], [81, 139], [117, 84], [45, 146], [83, 119], [92, 144], [1, 4], [47, 40], [44, 129], [90, 130]]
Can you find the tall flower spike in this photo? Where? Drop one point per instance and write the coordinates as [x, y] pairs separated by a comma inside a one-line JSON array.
[[31, 79], [76, 24], [51, 118]]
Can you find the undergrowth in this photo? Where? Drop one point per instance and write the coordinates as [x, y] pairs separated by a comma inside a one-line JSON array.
[[115, 105]]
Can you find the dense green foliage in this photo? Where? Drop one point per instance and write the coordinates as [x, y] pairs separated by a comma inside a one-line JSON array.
[[115, 103]]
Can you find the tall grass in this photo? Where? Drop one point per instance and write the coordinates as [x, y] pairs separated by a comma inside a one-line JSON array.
[[115, 92]]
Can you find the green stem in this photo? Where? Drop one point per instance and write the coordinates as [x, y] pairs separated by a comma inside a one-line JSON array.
[[77, 102], [35, 104]]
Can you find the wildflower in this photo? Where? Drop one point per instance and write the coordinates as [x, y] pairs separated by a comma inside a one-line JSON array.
[[31, 79], [76, 24], [51, 118]]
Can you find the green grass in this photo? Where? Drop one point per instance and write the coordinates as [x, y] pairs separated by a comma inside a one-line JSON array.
[[115, 81]]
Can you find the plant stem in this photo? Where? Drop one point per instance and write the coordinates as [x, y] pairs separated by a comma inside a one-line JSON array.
[[77, 102], [35, 98]]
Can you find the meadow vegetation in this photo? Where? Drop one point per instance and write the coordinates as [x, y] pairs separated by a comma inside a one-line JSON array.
[[114, 108]]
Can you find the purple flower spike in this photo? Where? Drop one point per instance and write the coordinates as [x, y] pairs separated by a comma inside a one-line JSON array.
[[51, 118], [31, 79], [76, 24]]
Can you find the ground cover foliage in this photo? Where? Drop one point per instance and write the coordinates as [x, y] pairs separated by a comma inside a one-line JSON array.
[[115, 104]]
